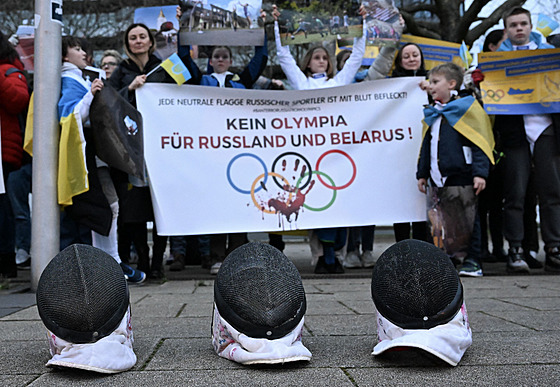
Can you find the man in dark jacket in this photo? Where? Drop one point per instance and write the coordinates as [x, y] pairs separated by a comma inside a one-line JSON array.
[[527, 140]]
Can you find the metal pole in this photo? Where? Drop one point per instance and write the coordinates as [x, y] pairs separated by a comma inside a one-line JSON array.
[[46, 214]]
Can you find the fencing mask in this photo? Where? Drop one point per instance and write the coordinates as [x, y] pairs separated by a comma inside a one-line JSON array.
[[419, 300], [259, 304], [83, 300]]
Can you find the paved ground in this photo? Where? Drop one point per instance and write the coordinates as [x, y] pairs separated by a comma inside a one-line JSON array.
[[515, 322]]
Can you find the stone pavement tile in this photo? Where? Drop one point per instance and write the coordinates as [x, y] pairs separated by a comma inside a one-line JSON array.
[[21, 300], [27, 314], [491, 304], [512, 288], [482, 282], [198, 309], [340, 351], [324, 307], [162, 304], [354, 288], [360, 306], [139, 291], [340, 325], [22, 330], [24, 357], [536, 303], [537, 320], [144, 347], [483, 322], [287, 375], [162, 327], [7, 311], [203, 287], [11, 303], [362, 293], [516, 348], [188, 354], [162, 309], [17, 380], [319, 297], [551, 282], [542, 375]]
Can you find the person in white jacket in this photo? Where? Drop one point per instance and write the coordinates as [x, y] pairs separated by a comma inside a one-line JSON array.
[[317, 72]]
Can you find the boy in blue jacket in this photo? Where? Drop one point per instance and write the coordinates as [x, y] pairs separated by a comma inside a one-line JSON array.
[[454, 163]]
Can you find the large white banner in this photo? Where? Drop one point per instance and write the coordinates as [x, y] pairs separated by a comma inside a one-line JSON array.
[[225, 160]]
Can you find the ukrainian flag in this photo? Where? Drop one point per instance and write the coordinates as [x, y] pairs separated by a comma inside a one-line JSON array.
[[72, 170], [465, 55], [467, 117], [176, 69], [546, 25]]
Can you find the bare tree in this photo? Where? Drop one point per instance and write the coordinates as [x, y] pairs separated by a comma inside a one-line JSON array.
[[450, 21], [101, 21]]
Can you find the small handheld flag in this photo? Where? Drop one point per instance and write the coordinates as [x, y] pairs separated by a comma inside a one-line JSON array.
[[176, 69], [465, 55], [546, 25]]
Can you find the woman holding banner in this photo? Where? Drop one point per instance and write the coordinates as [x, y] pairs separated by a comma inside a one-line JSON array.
[[316, 72], [136, 204], [219, 76]]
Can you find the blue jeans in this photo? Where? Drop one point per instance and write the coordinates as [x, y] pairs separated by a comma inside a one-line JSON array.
[[178, 244], [72, 232], [335, 237], [18, 189]]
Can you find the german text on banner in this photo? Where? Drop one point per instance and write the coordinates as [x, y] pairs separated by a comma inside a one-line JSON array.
[[521, 82], [226, 160]]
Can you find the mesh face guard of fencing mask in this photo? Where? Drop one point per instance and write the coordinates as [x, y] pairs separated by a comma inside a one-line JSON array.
[[259, 292], [82, 294], [415, 285], [419, 302]]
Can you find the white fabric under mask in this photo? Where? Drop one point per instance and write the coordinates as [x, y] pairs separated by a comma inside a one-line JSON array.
[[236, 346], [109, 355], [446, 341]]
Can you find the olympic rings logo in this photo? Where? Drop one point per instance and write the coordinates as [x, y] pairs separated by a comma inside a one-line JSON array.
[[493, 95], [292, 195]]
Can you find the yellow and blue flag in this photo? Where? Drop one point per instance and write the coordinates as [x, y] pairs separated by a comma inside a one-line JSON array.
[[176, 69], [465, 55], [467, 117], [72, 169], [72, 177], [546, 25]]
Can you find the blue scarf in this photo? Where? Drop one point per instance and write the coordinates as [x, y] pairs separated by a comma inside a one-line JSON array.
[[468, 118]]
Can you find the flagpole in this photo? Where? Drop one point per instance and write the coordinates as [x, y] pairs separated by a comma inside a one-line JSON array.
[[153, 70], [48, 61]]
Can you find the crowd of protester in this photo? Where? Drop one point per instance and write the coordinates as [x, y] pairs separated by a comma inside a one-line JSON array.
[[502, 192]]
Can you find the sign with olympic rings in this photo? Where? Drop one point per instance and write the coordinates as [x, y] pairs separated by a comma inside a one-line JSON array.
[[521, 82], [227, 160]]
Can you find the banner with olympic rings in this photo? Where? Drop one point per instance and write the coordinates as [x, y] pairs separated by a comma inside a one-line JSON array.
[[225, 160], [521, 82]]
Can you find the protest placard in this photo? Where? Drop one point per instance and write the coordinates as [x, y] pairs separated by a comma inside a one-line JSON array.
[[521, 82], [226, 160]]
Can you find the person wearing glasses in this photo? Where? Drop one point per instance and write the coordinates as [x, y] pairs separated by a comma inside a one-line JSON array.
[[109, 61]]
